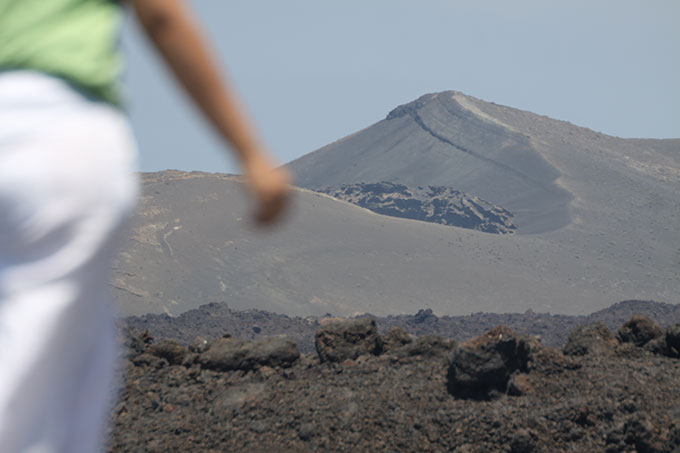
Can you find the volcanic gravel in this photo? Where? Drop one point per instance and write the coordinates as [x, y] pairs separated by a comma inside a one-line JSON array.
[[610, 394]]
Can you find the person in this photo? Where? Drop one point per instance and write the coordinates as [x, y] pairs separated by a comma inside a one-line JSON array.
[[67, 185]]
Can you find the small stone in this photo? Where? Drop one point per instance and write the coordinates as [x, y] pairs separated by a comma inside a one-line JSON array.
[[266, 372], [306, 431], [522, 442], [169, 350], [258, 427], [199, 345], [520, 384]]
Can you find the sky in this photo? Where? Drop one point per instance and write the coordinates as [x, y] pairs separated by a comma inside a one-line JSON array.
[[311, 71]]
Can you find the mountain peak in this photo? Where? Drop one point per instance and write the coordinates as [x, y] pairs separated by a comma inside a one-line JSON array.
[[447, 139], [412, 107]]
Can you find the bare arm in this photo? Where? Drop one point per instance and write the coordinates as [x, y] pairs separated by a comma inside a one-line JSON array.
[[174, 33]]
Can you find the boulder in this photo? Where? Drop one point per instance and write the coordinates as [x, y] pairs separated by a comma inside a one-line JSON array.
[[520, 384], [169, 350], [640, 330], [482, 367], [673, 340], [657, 346], [137, 343], [590, 339], [347, 339], [395, 338], [550, 361], [523, 441], [199, 345], [233, 354]]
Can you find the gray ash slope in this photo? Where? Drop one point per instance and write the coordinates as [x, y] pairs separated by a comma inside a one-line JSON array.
[[596, 220], [213, 320], [191, 244], [499, 392]]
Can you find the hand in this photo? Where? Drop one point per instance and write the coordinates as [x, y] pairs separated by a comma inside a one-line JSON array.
[[270, 185]]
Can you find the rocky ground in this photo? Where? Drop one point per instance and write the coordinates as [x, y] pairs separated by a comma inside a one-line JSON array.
[[213, 320], [364, 389]]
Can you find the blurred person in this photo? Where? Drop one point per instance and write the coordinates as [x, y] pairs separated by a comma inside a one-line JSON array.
[[67, 184]]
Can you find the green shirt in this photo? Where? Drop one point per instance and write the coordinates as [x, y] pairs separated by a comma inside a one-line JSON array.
[[72, 39]]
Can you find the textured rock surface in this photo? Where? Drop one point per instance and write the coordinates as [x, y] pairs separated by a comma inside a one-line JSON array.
[[212, 320], [437, 204], [673, 340], [481, 368], [591, 339], [169, 350], [624, 401], [234, 354], [640, 330], [395, 338], [347, 340]]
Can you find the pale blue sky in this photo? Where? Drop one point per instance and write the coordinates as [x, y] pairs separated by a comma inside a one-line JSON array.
[[313, 71]]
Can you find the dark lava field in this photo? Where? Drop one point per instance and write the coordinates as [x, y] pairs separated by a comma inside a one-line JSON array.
[[219, 380]]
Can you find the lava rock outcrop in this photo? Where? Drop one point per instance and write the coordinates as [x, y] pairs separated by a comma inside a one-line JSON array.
[[347, 340], [210, 321], [437, 204], [233, 354], [482, 368], [640, 330], [593, 338], [400, 398]]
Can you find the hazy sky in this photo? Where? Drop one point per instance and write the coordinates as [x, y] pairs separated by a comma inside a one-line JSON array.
[[313, 71]]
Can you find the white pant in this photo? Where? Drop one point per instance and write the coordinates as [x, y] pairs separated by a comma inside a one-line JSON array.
[[66, 185]]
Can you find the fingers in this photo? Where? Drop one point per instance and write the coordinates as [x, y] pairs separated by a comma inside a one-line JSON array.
[[273, 209], [271, 187], [272, 192]]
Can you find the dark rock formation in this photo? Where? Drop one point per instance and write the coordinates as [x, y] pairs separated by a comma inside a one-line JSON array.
[[673, 340], [233, 354], [169, 350], [640, 330], [400, 400], [590, 339], [348, 340], [395, 338], [437, 204], [210, 321], [649, 335], [481, 368]]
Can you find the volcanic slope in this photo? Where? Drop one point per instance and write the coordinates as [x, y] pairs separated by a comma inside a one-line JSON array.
[[550, 174], [191, 244]]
